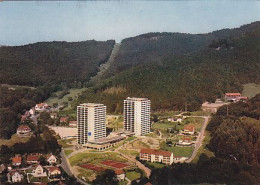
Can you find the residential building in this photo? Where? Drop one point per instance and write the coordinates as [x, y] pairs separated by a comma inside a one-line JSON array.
[[73, 123], [185, 141], [23, 131], [64, 119], [120, 174], [16, 176], [51, 159], [152, 155], [91, 119], [188, 130], [175, 119], [41, 106], [137, 115], [39, 171], [17, 160], [32, 158], [54, 173], [232, 96]]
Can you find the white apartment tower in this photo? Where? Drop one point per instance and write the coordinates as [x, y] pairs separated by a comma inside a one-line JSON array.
[[91, 119], [137, 115]]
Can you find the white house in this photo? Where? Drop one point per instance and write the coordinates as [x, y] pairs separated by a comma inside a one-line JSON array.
[[120, 175], [38, 171], [152, 155], [23, 131], [175, 119], [51, 159], [41, 106], [16, 176]]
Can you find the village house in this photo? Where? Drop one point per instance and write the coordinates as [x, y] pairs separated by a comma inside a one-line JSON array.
[[152, 155], [120, 174], [41, 107], [32, 158], [53, 115], [51, 159], [64, 119], [15, 176], [17, 160], [232, 96], [23, 131], [54, 173], [185, 141], [73, 123], [188, 130]]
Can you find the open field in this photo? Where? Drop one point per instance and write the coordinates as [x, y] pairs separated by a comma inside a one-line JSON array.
[[178, 151], [14, 139], [65, 143], [95, 158], [200, 113], [167, 113], [138, 145], [251, 89], [68, 152], [86, 174], [155, 165], [130, 152], [133, 175], [73, 93]]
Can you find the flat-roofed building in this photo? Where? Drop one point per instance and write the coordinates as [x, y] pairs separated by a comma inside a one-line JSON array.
[[137, 115], [91, 119], [152, 155]]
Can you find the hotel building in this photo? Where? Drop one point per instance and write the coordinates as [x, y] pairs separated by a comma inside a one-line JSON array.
[[152, 155], [91, 119], [137, 115]]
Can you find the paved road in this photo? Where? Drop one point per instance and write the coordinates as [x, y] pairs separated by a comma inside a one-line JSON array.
[[200, 138], [67, 168]]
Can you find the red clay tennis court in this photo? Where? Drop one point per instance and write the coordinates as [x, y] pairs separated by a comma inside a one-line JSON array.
[[114, 164], [92, 167]]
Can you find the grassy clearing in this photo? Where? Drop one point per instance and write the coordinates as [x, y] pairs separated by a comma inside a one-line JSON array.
[[200, 113], [137, 145], [130, 138], [167, 114], [65, 143], [73, 93], [133, 175], [130, 152], [122, 183], [251, 89], [179, 151], [163, 126], [203, 149], [156, 165], [14, 139], [94, 158], [68, 152], [86, 174]]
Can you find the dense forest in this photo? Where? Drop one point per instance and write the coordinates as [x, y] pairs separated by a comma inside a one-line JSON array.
[[190, 77], [236, 144], [45, 62]]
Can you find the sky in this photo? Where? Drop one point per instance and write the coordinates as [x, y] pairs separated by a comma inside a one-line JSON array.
[[23, 22]]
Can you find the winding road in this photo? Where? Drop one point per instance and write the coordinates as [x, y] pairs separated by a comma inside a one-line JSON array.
[[200, 138]]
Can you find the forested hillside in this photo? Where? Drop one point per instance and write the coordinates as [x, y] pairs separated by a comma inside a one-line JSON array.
[[154, 47], [55, 62], [191, 78]]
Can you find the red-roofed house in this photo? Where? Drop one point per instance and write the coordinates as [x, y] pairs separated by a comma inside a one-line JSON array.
[[23, 131], [32, 158], [120, 174], [41, 106], [152, 155], [73, 123], [54, 173], [188, 129], [64, 119], [185, 141], [17, 160], [232, 96]]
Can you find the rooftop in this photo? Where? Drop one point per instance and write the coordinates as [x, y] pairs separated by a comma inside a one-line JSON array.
[[213, 105], [156, 152], [232, 94], [91, 104], [136, 99], [189, 128], [106, 140]]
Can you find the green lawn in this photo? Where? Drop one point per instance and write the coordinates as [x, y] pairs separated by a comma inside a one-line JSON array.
[[14, 139], [130, 152], [122, 183], [130, 138], [200, 113], [167, 114], [156, 165], [178, 151], [68, 152], [65, 143], [133, 175], [251, 89], [92, 157], [163, 126]]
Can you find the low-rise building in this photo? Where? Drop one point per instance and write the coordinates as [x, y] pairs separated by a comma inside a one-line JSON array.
[[120, 174], [188, 130], [185, 141], [152, 155], [73, 123], [32, 158], [232, 96], [175, 119], [17, 160], [64, 119], [54, 173], [16, 176], [212, 107], [51, 159], [41, 107], [23, 131]]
